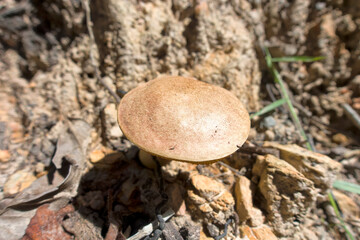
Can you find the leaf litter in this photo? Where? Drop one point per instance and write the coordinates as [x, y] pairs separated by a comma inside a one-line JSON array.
[[57, 187]]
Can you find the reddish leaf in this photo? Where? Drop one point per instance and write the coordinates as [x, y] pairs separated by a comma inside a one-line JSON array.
[[46, 224]]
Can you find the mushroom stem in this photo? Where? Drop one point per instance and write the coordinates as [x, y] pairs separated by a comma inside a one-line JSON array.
[[148, 160]]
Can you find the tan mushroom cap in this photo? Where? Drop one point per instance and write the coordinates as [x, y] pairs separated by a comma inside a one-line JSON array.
[[184, 119]]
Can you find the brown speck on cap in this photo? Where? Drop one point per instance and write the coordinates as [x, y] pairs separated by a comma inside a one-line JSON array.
[[183, 113]]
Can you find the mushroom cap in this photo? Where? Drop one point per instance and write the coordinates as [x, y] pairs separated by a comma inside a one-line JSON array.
[[184, 119]]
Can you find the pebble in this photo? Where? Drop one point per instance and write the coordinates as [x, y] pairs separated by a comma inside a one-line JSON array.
[[213, 230], [316, 167], [105, 157], [320, 5], [268, 122], [259, 233], [269, 135], [115, 132], [340, 138], [244, 203], [40, 170], [4, 156], [176, 200], [210, 200], [111, 126], [96, 155]]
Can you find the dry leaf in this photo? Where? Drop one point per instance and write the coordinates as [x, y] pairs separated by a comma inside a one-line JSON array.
[[60, 183], [46, 224]]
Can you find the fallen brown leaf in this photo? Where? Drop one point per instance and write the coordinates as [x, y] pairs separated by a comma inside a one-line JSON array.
[[46, 224]]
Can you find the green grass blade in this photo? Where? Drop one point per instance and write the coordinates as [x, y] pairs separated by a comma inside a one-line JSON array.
[[337, 212], [350, 187], [278, 79], [297, 59], [269, 107], [334, 205], [268, 58]]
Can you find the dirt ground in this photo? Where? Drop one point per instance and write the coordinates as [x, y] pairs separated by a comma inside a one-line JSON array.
[[68, 172]]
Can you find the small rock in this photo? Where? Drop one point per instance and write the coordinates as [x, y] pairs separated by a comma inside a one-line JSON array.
[[96, 155], [110, 117], [105, 157], [355, 85], [182, 209], [170, 232], [40, 169], [4, 156], [210, 200], [269, 135], [288, 195], [176, 200], [345, 25], [189, 230], [268, 122], [213, 230], [258, 233], [18, 182], [115, 132], [209, 188], [340, 138], [319, 168], [252, 134], [356, 103], [320, 5], [244, 203], [112, 132]]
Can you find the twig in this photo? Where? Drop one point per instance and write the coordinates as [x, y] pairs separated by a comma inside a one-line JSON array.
[[89, 24], [270, 92], [259, 150], [17, 10], [235, 171], [351, 114]]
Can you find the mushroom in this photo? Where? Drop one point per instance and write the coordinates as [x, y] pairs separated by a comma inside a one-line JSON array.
[[180, 118]]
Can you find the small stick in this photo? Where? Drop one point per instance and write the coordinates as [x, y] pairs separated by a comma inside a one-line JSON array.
[[351, 114], [92, 42], [234, 170], [259, 150]]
